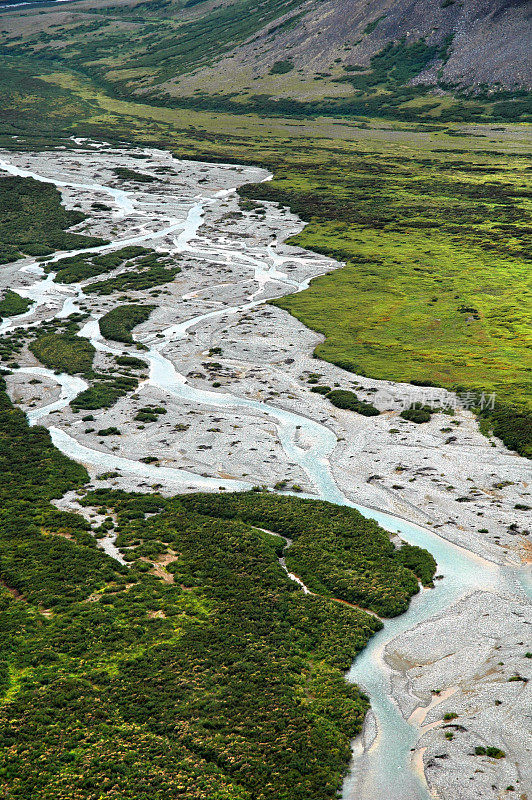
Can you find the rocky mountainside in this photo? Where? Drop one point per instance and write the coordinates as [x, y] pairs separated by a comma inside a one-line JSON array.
[[471, 43], [339, 56]]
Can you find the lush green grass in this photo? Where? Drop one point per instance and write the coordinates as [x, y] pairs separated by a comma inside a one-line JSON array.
[[224, 680], [12, 304], [435, 284], [34, 222], [118, 323]]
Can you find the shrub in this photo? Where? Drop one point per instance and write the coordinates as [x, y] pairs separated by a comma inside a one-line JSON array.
[[13, 304], [343, 398], [63, 351], [495, 752], [281, 67], [118, 323], [417, 415], [112, 431]]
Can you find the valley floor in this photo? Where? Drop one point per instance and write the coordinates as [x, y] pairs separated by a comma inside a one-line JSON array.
[[233, 375]]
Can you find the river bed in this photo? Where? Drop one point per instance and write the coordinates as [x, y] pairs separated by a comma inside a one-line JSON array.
[[382, 758]]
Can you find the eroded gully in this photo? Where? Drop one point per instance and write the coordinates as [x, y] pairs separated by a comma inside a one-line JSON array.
[[385, 760]]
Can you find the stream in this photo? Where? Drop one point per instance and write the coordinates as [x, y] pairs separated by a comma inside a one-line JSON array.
[[387, 762]]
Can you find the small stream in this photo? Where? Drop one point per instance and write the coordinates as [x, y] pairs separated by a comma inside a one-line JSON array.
[[387, 762]]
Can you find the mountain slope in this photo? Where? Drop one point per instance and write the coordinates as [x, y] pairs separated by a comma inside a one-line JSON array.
[[471, 43], [359, 56]]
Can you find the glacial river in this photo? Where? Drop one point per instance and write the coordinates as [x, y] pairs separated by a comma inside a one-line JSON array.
[[387, 762]]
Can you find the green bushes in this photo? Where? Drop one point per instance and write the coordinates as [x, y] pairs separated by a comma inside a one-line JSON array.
[[336, 551], [63, 351], [512, 425], [133, 280], [118, 323], [127, 174], [12, 304], [74, 269], [104, 393], [345, 399], [149, 413], [417, 414], [224, 681], [33, 220], [112, 431], [342, 398], [492, 752], [419, 561], [36, 558], [281, 67], [131, 362]]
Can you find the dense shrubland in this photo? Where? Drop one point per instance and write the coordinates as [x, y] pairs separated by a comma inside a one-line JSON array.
[[104, 391], [73, 269], [118, 323], [33, 221], [65, 352], [12, 304], [336, 551], [200, 668], [149, 271], [343, 398]]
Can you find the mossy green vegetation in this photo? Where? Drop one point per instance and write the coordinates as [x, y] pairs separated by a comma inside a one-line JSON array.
[[13, 304], [34, 222], [199, 668], [432, 289], [118, 323]]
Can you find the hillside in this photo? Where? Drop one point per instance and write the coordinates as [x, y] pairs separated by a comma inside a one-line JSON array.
[[403, 58]]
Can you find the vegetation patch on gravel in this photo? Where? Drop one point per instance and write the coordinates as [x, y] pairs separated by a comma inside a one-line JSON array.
[[118, 323], [33, 221], [13, 304], [64, 352], [73, 269]]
